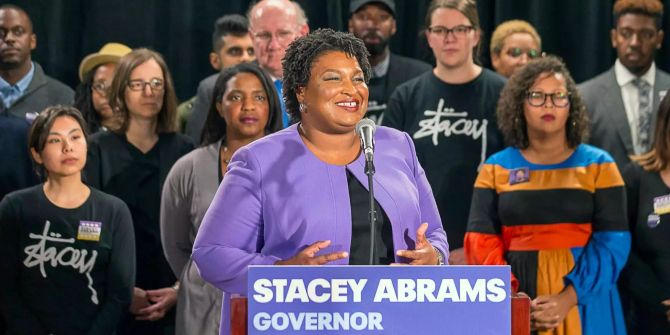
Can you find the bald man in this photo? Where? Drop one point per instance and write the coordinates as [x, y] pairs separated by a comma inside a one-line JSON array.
[[273, 25], [24, 88]]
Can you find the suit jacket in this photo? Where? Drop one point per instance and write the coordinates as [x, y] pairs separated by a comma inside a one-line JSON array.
[[610, 129], [277, 198], [203, 99], [43, 91]]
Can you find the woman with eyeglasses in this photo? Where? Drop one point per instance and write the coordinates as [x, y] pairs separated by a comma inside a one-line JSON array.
[[450, 113], [645, 281], [513, 44], [132, 164], [561, 223], [96, 72]]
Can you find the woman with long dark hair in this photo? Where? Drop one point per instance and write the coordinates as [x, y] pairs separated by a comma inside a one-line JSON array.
[[245, 108]]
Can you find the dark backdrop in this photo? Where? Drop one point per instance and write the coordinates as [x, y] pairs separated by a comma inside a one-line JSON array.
[[67, 30]]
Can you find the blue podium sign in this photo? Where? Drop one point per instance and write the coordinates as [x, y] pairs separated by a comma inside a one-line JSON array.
[[379, 300]]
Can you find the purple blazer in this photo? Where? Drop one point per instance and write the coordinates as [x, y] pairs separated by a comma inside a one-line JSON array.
[[277, 198]]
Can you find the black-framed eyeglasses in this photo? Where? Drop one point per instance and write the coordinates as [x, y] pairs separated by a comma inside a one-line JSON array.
[[517, 52], [100, 87], [459, 31], [538, 98], [139, 84]]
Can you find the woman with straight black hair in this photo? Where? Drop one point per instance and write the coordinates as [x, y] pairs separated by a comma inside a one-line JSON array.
[[67, 250]]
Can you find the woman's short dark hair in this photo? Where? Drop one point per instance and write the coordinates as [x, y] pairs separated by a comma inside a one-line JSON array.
[[301, 54], [83, 101], [167, 117], [215, 126], [510, 110], [39, 130]]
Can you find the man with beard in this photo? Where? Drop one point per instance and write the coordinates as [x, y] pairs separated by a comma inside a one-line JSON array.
[[373, 21], [622, 102], [24, 88]]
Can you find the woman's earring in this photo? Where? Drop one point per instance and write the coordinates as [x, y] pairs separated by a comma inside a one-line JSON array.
[[302, 107]]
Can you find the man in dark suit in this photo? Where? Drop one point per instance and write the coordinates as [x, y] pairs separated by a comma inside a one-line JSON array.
[[231, 45], [24, 88], [373, 22], [622, 102]]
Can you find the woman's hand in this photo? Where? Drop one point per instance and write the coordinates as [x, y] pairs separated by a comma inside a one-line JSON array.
[[548, 311], [423, 253], [139, 300], [308, 255], [162, 301], [457, 257]]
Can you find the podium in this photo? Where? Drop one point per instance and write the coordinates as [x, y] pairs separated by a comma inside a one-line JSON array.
[[516, 308], [520, 316]]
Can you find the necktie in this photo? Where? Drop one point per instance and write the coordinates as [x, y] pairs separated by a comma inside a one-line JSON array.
[[644, 116], [9, 94], [284, 116]]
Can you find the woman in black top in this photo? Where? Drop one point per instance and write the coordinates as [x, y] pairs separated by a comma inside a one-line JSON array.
[[66, 250], [132, 164], [645, 281]]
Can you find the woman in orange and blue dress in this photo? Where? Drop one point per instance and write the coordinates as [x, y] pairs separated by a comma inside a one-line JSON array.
[[552, 207]]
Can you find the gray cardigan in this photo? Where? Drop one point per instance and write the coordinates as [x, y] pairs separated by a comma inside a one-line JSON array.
[[188, 190]]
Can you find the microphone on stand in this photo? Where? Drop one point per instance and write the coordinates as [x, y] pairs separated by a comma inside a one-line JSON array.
[[365, 129]]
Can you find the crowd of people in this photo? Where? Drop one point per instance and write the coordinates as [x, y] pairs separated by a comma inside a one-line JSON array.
[[125, 212]]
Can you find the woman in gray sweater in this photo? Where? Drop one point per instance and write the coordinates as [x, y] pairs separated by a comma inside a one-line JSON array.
[[245, 107]]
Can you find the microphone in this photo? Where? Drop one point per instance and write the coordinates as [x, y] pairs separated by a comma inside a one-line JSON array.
[[365, 129]]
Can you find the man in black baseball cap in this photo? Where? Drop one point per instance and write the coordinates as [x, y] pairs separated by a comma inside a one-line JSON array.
[[373, 21]]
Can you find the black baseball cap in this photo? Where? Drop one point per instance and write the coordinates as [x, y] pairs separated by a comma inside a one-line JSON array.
[[355, 5]]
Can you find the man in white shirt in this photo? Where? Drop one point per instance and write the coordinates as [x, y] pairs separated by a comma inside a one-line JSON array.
[[622, 101]]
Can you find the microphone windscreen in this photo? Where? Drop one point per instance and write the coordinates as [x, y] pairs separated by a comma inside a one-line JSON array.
[[365, 123]]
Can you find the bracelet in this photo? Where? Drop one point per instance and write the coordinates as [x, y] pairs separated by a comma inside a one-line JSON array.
[[440, 256], [175, 286]]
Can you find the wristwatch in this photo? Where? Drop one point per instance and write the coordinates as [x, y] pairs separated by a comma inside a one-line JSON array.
[[440, 256]]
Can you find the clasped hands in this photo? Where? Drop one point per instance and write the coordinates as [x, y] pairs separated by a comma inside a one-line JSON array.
[[548, 311], [152, 305], [423, 253]]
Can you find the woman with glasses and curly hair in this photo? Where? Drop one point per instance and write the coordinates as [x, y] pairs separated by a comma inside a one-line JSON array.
[[132, 164], [552, 207]]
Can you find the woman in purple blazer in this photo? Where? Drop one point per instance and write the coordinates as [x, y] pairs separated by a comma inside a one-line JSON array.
[[299, 196]]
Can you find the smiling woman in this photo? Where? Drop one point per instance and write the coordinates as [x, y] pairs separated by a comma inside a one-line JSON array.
[[316, 163], [61, 241]]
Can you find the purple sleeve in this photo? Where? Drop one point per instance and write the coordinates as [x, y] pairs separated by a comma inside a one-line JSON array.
[[429, 213], [231, 234]]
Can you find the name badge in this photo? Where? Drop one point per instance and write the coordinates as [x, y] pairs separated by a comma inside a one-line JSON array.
[[653, 220], [89, 231], [520, 175], [662, 204]]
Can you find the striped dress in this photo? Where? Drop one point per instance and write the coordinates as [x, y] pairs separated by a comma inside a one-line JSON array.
[[555, 224]]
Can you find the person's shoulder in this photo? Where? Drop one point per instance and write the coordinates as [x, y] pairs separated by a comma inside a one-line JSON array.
[[284, 138], [598, 80], [508, 158], [493, 78], [104, 138], [416, 83], [58, 86], [175, 138], [409, 63], [106, 199], [28, 195], [209, 82], [586, 154], [198, 155], [390, 134]]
